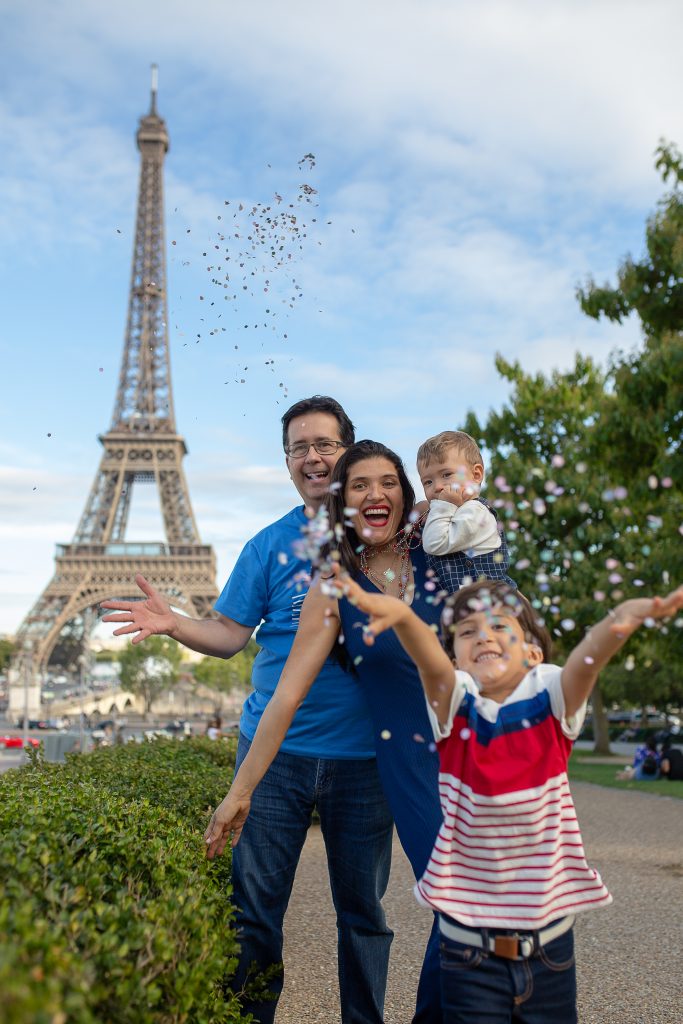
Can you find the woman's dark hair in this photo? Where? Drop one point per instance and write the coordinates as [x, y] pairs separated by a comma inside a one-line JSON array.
[[486, 595], [349, 541]]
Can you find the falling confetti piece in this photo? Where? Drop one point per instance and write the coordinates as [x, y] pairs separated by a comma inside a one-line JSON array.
[[385, 734], [465, 733]]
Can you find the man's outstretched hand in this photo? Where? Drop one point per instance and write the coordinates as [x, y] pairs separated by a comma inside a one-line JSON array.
[[142, 618]]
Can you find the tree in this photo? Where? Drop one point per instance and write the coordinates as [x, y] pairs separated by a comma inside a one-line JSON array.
[[587, 466], [228, 674], [7, 649], [642, 435], [149, 668]]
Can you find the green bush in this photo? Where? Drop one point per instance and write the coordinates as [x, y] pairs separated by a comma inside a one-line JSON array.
[[109, 911]]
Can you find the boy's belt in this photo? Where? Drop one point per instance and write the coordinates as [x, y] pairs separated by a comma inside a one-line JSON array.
[[509, 946]]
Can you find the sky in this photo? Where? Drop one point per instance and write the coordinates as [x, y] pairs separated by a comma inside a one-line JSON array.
[[473, 163]]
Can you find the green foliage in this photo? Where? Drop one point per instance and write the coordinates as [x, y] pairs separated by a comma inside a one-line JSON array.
[[589, 467], [107, 656], [149, 668], [7, 649], [653, 286], [228, 674], [109, 910]]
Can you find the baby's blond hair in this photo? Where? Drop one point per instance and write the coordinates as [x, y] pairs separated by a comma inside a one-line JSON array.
[[437, 446]]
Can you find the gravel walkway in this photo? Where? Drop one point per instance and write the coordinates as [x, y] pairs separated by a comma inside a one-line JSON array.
[[630, 955]]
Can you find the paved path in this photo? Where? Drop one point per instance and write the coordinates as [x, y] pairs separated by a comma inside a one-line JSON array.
[[629, 955]]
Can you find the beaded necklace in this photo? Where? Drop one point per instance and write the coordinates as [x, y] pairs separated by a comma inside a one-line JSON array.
[[400, 545]]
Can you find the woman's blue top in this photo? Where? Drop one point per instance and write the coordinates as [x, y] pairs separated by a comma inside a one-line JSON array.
[[406, 754]]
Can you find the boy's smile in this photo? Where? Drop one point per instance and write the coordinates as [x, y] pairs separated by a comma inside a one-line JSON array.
[[491, 646]]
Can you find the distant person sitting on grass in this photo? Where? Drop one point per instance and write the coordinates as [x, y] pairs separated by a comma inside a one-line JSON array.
[[671, 761], [508, 871], [645, 767]]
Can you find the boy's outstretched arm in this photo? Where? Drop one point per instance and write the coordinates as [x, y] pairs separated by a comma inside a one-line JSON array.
[[419, 640], [603, 641]]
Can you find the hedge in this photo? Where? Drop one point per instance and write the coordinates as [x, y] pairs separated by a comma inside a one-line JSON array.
[[109, 910]]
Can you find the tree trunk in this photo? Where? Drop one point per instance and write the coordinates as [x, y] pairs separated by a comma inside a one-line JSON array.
[[600, 723]]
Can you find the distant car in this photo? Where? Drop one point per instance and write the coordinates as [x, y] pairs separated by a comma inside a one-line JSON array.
[[14, 742], [179, 727]]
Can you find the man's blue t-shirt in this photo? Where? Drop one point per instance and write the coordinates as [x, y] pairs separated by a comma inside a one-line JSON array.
[[268, 586]]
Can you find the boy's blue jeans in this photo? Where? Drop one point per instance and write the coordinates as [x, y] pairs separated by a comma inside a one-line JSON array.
[[478, 987], [357, 827]]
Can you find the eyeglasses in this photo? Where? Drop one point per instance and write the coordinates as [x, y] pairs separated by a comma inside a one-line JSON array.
[[300, 449]]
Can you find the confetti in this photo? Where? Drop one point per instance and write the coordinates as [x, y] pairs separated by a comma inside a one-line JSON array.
[[385, 734]]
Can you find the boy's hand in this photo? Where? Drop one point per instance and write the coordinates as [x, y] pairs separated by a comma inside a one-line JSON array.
[[384, 611], [227, 822], [457, 493], [632, 614]]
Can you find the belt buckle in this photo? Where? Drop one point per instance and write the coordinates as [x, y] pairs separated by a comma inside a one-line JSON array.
[[506, 946]]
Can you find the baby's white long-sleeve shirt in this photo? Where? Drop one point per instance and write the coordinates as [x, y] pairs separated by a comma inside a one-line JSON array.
[[469, 527]]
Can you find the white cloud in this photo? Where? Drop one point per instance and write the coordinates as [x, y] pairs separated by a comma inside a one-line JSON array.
[[476, 161]]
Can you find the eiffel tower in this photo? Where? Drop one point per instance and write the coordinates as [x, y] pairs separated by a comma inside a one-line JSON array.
[[141, 446]]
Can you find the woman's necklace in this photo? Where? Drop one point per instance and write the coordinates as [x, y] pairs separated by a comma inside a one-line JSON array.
[[400, 546]]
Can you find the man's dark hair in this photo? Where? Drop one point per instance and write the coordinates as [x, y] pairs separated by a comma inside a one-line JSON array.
[[350, 540], [485, 595], [320, 403]]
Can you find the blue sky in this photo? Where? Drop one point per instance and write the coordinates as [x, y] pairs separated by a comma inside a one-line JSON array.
[[476, 161]]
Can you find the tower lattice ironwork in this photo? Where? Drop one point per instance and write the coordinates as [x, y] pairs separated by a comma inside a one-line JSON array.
[[141, 446]]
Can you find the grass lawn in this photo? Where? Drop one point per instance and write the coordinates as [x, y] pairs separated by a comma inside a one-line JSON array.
[[581, 770]]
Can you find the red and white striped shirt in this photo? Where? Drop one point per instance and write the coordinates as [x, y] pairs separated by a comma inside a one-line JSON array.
[[509, 853]]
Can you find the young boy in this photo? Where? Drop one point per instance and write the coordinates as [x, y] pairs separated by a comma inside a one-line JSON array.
[[461, 536], [508, 871]]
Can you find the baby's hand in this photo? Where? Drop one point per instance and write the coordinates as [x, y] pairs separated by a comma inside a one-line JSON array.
[[632, 614], [457, 493]]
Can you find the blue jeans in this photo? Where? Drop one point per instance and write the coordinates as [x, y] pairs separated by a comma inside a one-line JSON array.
[[480, 988], [357, 826]]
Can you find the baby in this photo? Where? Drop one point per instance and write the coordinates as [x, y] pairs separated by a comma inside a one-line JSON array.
[[461, 537]]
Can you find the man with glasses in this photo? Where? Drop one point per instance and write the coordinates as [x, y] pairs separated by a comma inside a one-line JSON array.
[[327, 761]]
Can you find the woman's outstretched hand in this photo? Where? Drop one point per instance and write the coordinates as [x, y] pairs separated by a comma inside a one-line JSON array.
[[226, 824], [142, 618]]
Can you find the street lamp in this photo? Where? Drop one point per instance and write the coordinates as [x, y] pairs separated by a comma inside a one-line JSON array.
[[84, 668], [27, 665]]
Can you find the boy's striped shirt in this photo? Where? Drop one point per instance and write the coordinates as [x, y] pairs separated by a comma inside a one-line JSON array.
[[509, 853]]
